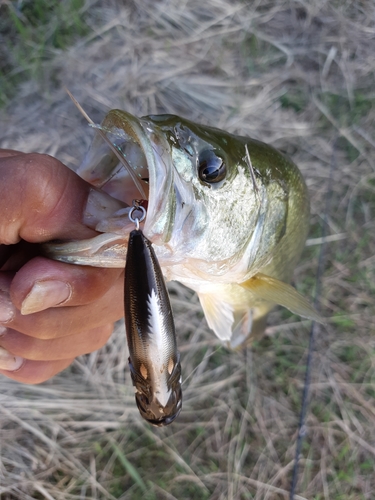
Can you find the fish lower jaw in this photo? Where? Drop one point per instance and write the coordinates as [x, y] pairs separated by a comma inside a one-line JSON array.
[[105, 250]]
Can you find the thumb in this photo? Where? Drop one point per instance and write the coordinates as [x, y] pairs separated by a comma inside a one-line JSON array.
[[41, 199]]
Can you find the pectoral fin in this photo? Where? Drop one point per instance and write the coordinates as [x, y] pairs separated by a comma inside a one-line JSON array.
[[273, 290], [229, 313], [219, 315]]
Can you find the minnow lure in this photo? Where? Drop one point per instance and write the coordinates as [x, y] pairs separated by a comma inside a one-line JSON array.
[[154, 360]]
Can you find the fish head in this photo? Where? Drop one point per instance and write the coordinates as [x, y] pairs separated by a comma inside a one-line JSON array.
[[207, 204]]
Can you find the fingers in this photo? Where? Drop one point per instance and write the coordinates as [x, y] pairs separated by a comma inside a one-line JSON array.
[[35, 372], [61, 348], [42, 283], [33, 361], [50, 312], [41, 199], [63, 321]]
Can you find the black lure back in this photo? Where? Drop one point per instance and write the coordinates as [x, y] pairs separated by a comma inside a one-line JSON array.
[[154, 360]]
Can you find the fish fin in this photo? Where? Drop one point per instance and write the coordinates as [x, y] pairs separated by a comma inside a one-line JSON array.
[[231, 323], [219, 314], [242, 327], [278, 292]]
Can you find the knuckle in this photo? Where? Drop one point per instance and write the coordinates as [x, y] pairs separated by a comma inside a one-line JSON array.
[[41, 330]]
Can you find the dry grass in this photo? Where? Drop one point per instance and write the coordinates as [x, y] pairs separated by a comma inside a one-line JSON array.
[[298, 75]]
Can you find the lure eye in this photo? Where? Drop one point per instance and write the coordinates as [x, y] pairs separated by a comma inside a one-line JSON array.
[[211, 168]]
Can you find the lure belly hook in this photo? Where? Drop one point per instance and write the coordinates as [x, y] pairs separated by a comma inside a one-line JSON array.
[[154, 360]]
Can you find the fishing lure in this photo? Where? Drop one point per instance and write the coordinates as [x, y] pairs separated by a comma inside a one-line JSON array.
[[154, 360]]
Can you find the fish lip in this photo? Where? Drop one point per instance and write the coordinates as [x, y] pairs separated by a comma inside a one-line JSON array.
[[157, 152]]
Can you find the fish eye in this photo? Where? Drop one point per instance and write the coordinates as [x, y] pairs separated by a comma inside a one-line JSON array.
[[211, 168]]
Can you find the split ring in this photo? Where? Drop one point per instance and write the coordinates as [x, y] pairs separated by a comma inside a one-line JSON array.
[[137, 220]]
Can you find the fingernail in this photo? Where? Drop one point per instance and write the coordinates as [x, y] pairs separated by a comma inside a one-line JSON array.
[[45, 294], [7, 309], [9, 361], [100, 205]]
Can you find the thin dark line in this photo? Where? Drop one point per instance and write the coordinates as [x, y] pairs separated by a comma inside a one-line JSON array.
[[312, 335]]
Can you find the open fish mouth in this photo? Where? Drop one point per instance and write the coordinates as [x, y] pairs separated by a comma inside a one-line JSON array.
[[130, 159]]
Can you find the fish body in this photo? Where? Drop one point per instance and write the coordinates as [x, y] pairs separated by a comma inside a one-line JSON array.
[[154, 360], [227, 215]]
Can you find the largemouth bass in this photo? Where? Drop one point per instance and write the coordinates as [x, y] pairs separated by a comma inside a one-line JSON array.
[[227, 215]]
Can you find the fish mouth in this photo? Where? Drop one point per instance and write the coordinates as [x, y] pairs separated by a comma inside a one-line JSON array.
[[130, 158], [159, 219]]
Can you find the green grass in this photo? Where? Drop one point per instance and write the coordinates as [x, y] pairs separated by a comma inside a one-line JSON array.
[[348, 110], [296, 99], [33, 33]]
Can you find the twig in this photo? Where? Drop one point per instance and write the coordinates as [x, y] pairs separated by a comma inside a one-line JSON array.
[[302, 418]]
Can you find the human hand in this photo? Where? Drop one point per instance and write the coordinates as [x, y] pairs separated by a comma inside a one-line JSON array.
[[50, 312]]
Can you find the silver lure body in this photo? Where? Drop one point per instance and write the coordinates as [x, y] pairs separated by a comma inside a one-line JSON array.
[[154, 359]]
